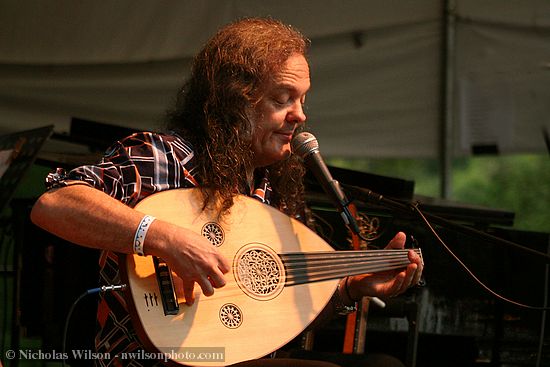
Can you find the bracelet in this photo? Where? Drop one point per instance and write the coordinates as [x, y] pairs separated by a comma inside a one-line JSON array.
[[141, 232], [339, 305]]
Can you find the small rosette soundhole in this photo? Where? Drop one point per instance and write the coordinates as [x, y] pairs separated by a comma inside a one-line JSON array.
[[213, 233], [231, 316]]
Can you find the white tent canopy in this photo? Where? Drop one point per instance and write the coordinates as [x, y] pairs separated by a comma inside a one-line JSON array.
[[378, 67]]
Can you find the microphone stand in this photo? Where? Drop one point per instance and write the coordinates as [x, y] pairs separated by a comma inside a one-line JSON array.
[[368, 196]]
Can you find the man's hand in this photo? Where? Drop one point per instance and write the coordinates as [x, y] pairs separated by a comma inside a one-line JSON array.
[[192, 257], [389, 283]]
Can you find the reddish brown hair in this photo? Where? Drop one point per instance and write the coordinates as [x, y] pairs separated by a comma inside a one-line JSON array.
[[228, 76]]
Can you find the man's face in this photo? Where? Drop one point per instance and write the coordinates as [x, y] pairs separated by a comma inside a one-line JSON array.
[[279, 112]]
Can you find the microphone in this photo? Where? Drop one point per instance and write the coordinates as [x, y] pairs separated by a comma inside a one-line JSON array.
[[305, 146]]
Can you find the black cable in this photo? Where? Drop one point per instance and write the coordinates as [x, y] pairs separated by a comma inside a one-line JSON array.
[[102, 289]]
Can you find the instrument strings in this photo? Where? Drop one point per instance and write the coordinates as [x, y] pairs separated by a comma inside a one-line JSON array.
[[313, 267], [302, 268]]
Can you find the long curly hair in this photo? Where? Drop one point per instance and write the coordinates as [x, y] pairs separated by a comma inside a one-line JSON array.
[[228, 77]]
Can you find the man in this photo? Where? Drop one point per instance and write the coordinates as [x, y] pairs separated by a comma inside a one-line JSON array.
[[231, 131]]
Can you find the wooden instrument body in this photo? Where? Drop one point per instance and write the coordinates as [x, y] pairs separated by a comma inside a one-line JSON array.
[[247, 325]]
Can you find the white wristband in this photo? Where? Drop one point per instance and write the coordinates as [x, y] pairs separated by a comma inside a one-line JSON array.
[[141, 232]]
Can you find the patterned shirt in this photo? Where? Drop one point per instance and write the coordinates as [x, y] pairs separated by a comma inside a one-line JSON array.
[[132, 169]]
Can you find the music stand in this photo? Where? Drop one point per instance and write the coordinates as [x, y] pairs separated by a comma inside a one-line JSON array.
[[18, 152]]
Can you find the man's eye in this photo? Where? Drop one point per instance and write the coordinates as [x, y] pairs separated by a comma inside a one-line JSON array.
[[281, 98]]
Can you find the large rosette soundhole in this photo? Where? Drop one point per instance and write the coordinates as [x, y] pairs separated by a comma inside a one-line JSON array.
[[259, 272]]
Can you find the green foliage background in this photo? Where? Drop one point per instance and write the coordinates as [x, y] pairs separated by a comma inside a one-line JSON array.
[[517, 183]]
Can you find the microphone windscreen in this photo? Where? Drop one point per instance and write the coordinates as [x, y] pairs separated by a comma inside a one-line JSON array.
[[304, 144]]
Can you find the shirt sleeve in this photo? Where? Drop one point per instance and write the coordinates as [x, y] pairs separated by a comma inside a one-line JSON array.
[[134, 168]]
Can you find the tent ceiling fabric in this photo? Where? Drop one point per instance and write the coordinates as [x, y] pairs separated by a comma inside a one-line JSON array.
[[127, 31], [376, 67]]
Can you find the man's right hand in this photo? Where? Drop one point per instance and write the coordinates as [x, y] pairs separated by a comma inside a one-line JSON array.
[[191, 256]]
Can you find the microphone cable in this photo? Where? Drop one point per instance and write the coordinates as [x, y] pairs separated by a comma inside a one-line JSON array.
[[470, 272], [102, 289]]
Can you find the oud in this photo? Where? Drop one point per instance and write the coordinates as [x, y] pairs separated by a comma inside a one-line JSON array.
[[282, 276]]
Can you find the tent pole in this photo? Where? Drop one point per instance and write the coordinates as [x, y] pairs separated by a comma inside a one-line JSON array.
[[447, 98]]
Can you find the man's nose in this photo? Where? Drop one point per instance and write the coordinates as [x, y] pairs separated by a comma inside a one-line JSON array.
[[297, 114]]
